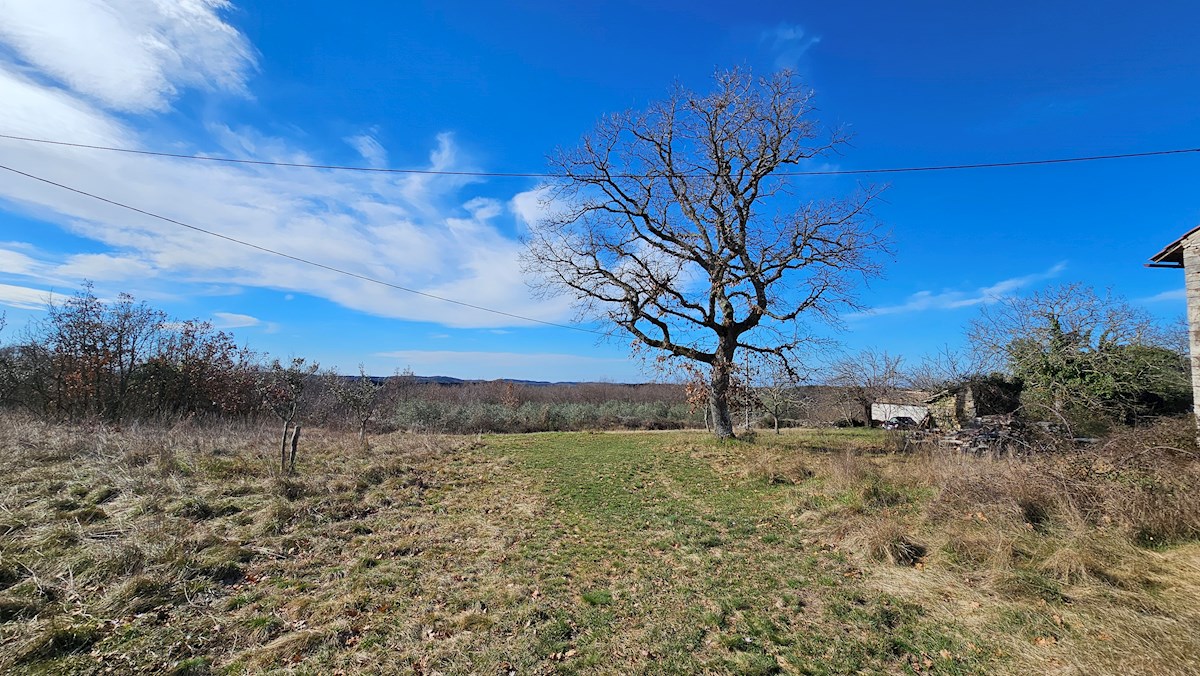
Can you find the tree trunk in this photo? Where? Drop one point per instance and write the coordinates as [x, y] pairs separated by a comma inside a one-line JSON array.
[[722, 421], [867, 413], [718, 401]]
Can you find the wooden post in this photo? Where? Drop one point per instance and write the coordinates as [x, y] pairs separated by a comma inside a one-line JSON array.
[[295, 440], [283, 446], [1191, 275]]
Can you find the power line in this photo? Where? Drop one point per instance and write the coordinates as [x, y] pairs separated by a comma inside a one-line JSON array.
[[295, 258], [520, 174], [271, 163]]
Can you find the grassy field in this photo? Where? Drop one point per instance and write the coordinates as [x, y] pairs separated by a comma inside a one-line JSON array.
[[183, 551]]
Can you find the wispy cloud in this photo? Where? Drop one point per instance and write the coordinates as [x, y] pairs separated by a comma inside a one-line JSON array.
[[789, 43], [104, 267], [923, 301], [17, 263], [1172, 295], [415, 231], [233, 320], [370, 149], [129, 55], [27, 298]]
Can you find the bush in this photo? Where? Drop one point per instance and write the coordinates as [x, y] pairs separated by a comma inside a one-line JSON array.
[[430, 415]]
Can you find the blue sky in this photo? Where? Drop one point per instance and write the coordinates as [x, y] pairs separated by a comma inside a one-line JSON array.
[[497, 86]]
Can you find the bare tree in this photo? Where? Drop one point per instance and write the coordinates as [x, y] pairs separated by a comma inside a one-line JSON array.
[[944, 369], [778, 393], [867, 377], [282, 388], [361, 395], [680, 226]]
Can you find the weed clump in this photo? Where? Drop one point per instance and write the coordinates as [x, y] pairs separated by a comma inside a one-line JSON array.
[[776, 468], [85, 515], [192, 666], [141, 594], [17, 608], [57, 640], [597, 597], [889, 542]]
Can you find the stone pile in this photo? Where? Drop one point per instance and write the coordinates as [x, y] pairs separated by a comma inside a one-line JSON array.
[[994, 435]]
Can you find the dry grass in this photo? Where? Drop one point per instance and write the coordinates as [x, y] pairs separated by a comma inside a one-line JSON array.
[[889, 541], [1079, 562], [143, 549], [774, 466], [184, 551]]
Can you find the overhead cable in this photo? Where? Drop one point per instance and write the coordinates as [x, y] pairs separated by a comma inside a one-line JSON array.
[[298, 259], [529, 174]]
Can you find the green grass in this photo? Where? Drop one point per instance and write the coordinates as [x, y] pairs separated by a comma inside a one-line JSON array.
[[707, 564]]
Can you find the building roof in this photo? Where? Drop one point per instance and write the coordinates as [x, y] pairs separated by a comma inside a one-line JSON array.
[[1172, 255], [948, 392], [904, 398]]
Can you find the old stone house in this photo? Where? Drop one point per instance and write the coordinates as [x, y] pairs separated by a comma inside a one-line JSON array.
[[957, 406]]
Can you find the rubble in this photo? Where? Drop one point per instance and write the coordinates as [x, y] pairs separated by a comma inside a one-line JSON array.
[[994, 435]]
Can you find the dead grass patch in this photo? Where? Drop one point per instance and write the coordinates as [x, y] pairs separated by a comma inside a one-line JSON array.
[[1063, 561], [585, 553], [774, 466], [889, 541]]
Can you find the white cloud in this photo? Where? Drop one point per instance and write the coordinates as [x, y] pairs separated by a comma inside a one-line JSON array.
[[531, 205], [27, 298], [954, 300], [233, 320], [17, 263], [128, 55], [104, 267], [416, 231]]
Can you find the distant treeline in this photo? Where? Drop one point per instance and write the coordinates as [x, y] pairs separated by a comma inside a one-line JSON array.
[[125, 360]]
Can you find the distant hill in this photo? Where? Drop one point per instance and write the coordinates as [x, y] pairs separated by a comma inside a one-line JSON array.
[[448, 380]]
